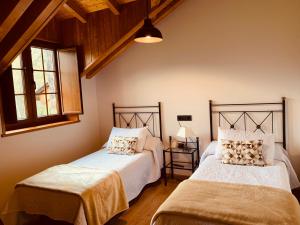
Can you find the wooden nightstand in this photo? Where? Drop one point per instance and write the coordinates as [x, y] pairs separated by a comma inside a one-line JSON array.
[[191, 165]]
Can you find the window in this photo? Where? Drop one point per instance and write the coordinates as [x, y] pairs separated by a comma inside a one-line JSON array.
[[45, 81], [40, 84], [19, 88]]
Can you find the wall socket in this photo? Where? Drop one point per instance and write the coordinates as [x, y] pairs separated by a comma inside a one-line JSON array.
[[184, 117]]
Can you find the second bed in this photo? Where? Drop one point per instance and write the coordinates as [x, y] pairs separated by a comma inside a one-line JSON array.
[[221, 191]]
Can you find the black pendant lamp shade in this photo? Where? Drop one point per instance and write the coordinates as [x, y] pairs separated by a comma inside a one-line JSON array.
[[148, 33]]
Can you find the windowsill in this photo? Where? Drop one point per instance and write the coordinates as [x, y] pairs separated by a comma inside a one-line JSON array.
[[41, 127]]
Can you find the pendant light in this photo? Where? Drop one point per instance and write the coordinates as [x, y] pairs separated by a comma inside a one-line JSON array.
[[148, 33]]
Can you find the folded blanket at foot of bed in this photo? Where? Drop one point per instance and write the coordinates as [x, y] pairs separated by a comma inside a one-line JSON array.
[[77, 195], [203, 202]]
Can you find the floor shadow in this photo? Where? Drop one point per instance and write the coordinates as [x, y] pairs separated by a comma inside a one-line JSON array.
[[116, 221]]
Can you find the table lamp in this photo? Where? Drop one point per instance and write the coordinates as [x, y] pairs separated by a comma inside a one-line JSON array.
[[185, 132]]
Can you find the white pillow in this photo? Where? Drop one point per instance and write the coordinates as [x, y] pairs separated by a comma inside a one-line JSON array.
[[241, 135], [140, 133], [153, 143]]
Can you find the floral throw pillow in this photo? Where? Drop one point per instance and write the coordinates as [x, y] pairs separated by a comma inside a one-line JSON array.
[[123, 145], [243, 152]]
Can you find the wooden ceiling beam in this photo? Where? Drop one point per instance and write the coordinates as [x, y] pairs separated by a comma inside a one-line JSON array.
[[114, 6], [33, 20], [155, 3], [14, 15], [76, 11], [156, 15]]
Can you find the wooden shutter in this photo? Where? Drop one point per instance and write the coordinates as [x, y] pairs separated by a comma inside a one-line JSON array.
[[70, 83]]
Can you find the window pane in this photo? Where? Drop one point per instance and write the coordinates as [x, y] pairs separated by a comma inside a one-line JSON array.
[[18, 79], [36, 57], [21, 107], [50, 82], [48, 57], [41, 106], [39, 82], [52, 104], [17, 63]]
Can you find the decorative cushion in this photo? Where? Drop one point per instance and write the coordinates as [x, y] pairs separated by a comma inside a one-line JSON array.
[[243, 152], [242, 135], [140, 133], [123, 145]]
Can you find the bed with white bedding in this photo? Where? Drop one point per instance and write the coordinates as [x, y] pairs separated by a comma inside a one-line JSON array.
[[279, 176], [219, 192], [94, 188], [135, 170]]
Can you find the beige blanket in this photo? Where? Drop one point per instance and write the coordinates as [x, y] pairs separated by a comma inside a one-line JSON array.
[[70, 194], [203, 202]]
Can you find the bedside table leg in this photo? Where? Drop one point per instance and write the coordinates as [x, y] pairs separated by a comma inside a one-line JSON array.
[[165, 169], [193, 165], [172, 168], [198, 151]]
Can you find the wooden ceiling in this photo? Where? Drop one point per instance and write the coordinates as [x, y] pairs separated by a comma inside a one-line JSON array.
[[100, 29], [80, 8], [21, 21]]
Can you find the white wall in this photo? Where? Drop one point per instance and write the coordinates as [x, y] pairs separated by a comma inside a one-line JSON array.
[[228, 51], [23, 155]]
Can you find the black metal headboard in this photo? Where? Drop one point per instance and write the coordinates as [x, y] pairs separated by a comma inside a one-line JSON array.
[[139, 116], [263, 117]]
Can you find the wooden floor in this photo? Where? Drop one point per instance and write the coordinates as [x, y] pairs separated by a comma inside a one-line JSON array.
[[143, 208]]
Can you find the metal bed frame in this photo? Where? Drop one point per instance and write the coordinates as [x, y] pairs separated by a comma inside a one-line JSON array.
[[248, 116], [132, 117]]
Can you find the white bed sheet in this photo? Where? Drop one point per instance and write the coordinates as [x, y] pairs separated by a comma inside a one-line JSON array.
[[272, 176], [135, 170], [282, 166]]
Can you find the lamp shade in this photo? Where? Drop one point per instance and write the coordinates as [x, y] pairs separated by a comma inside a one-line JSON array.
[[185, 132], [148, 33]]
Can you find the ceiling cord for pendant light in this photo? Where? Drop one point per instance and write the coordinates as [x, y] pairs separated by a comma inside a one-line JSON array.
[[148, 33]]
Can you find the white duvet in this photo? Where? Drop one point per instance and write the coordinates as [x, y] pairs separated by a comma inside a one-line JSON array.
[[280, 175], [135, 170], [273, 176]]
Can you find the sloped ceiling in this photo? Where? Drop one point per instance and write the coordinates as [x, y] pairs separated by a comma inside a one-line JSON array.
[[100, 29]]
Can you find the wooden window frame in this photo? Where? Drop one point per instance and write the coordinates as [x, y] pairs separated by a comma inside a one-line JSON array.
[[33, 122]]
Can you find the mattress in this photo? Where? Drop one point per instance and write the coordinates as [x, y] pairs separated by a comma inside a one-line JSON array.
[[135, 170]]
